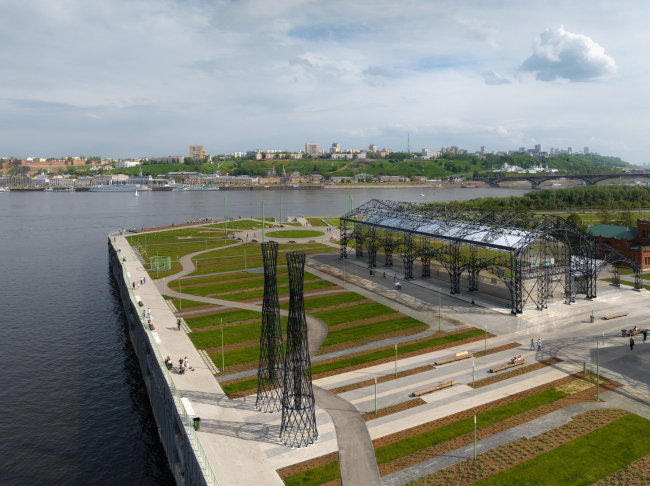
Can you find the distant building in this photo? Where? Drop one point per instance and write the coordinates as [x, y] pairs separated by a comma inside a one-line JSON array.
[[311, 148], [539, 148], [430, 154], [196, 152], [586, 151], [172, 159], [125, 164], [569, 150], [372, 148], [336, 148], [483, 149], [631, 241], [342, 156]]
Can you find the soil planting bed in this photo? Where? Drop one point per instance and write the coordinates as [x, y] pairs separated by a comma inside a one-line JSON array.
[[286, 296], [442, 448], [382, 412], [520, 370], [381, 379], [521, 450], [498, 349], [230, 324]]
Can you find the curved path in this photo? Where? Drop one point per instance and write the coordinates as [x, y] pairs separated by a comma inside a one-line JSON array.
[[356, 454]]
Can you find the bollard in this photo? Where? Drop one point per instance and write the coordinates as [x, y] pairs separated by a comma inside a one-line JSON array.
[[584, 367]]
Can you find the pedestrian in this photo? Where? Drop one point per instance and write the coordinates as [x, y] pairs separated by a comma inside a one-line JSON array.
[[144, 279], [178, 323], [148, 311], [133, 285], [645, 336], [539, 345], [144, 314], [532, 345], [384, 274], [395, 278], [138, 284], [631, 344], [473, 302]]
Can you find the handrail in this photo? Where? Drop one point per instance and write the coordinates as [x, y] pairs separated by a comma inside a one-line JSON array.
[[189, 425]]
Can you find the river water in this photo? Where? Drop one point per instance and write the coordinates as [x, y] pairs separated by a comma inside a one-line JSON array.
[[73, 402]]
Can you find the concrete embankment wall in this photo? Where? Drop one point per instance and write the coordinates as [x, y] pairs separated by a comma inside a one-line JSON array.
[[174, 432]]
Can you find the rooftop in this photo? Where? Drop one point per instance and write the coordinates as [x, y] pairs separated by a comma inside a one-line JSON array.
[[613, 231]]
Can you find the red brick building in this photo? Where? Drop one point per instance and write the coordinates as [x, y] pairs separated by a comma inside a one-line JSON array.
[[631, 241]]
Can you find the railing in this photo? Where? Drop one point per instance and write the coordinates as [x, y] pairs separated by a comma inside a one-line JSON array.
[[189, 425]]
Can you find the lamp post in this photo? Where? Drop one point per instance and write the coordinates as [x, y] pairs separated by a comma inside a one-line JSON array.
[[375, 395], [598, 365], [439, 309], [474, 437], [263, 221], [225, 215], [280, 207], [395, 360], [486, 337], [472, 373], [223, 357]]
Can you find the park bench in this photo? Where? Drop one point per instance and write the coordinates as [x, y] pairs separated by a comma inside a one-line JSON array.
[[614, 315], [633, 332], [458, 357], [291, 241], [508, 365], [439, 386]]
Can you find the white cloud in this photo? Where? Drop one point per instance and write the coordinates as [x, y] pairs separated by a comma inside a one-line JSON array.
[[561, 54], [479, 29], [493, 79]]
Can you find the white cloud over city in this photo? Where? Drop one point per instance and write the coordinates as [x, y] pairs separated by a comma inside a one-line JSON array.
[[149, 78]]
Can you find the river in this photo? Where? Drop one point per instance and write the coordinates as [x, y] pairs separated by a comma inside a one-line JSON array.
[[74, 407]]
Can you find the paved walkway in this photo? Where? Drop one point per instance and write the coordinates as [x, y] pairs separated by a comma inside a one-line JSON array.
[[356, 453], [622, 398]]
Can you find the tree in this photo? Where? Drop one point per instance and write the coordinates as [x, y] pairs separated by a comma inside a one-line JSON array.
[[577, 221]]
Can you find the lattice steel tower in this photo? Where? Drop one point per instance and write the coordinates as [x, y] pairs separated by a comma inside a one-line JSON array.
[[298, 427], [269, 372]]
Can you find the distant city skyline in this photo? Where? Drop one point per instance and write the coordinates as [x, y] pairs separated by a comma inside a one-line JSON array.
[[155, 77]]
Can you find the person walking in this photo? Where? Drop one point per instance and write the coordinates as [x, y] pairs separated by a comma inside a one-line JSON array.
[[144, 280], [645, 336], [631, 344], [178, 323], [532, 345], [539, 345]]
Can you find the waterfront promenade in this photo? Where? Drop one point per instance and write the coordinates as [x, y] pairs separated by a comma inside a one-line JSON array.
[[242, 444]]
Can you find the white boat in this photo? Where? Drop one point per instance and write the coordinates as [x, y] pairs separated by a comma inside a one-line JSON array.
[[4, 189], [136, 193], [422, 195], [556, 184], [119, 188]]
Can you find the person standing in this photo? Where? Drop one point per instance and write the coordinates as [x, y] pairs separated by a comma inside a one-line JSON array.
[[539, 345], [645, 336], [532, 345], [631, 344], [178, 323]]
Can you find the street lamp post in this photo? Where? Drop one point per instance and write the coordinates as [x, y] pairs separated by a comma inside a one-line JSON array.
[[598, 365], [223, 357], [225, 215], [439, 309], [472, 373], [263, 221], [395, 360]]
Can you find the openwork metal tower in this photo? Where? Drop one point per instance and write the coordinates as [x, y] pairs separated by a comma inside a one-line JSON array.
[[269, 372], [298, 428]]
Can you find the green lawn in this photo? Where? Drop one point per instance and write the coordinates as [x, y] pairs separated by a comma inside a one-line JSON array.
[[321, 284], [343, 298], [369, 330], [362, 359], [249, 282], [242, 224], [226, 317], [185, 304], [315, 222], [231, 335], [584, 460], [421, 441], [334, 222], [294, 234], [249, 255], [216, 278], [353, 313], [623, 282]]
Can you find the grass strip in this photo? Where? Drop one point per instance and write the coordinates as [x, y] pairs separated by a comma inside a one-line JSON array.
[[254, 294], [625, 282], [231, 335], [369, 330], [584, 460], [381, 379], [295, 233], [252, 282], [356, 313], [227, 317], [412, 444], [327, 301], [444, 433]]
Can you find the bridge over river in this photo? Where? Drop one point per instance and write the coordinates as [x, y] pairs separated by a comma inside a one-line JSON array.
[[536, 180]]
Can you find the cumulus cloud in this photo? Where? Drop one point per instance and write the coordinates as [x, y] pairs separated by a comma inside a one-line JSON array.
[[493, 79], [561, 54]]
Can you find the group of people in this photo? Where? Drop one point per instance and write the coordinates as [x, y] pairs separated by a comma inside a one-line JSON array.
[[328, 230], [516, 358], [532, 345], [142, 281]]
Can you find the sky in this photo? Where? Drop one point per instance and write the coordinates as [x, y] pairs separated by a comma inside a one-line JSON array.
[[146, 78]]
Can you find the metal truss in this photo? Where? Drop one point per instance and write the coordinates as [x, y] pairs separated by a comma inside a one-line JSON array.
[[298, 427], [345, 237], [358, 240], [517, 247], [269, 371]]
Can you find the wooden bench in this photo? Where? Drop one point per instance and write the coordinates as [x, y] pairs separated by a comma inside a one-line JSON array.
[[458, 357], [633, 332], [508, 365], [612, 315], [439, 386]]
